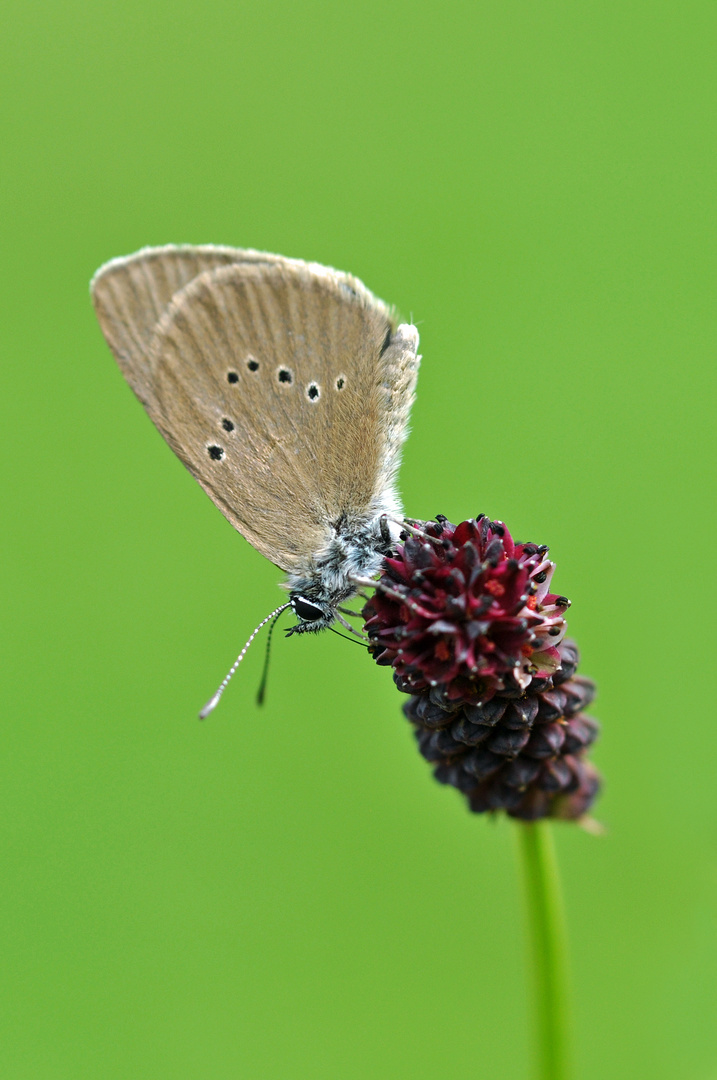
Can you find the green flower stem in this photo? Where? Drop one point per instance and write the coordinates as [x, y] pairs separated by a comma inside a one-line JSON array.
[[549, 953]]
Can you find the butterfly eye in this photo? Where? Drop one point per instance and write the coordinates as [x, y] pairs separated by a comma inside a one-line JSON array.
[[306, 610]]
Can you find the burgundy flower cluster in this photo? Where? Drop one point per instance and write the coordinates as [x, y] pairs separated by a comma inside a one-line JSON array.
[[465, 618]]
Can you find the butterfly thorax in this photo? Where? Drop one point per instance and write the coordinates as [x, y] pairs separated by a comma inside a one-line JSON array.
[[354, 550]]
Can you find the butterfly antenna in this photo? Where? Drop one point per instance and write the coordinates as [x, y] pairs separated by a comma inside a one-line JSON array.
[[214, 701], [265, 673]]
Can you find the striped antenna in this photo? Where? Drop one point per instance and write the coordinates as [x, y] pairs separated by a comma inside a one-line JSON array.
[[214, 701]]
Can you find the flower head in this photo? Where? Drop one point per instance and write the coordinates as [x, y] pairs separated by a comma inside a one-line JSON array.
[[465, 618], [467, 609]]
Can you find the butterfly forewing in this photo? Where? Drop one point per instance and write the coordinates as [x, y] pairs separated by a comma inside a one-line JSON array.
[[131, 294]]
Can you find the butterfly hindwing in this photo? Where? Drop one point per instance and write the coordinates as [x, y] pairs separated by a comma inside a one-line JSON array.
[[283, 386]]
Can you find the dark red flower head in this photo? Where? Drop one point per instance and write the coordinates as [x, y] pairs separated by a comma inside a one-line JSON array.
[[465, 618], [467, 609]]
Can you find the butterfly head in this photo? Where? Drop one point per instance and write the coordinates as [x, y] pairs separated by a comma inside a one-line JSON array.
[[312, 616]]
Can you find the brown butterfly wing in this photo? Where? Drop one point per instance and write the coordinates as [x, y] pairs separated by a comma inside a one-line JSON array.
[[280, 384]]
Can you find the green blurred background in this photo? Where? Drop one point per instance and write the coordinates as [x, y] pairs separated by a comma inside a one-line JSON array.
[[287, 893]]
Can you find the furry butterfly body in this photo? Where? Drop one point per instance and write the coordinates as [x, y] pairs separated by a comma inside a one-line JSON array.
[[285, 388]]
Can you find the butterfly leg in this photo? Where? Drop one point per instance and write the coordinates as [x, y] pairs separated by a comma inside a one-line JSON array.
[[382, 587], [348, 611], [347, 626], [416, 532], [394, 593]]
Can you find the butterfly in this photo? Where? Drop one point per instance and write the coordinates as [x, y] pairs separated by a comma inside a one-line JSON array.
[[285, 387]]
